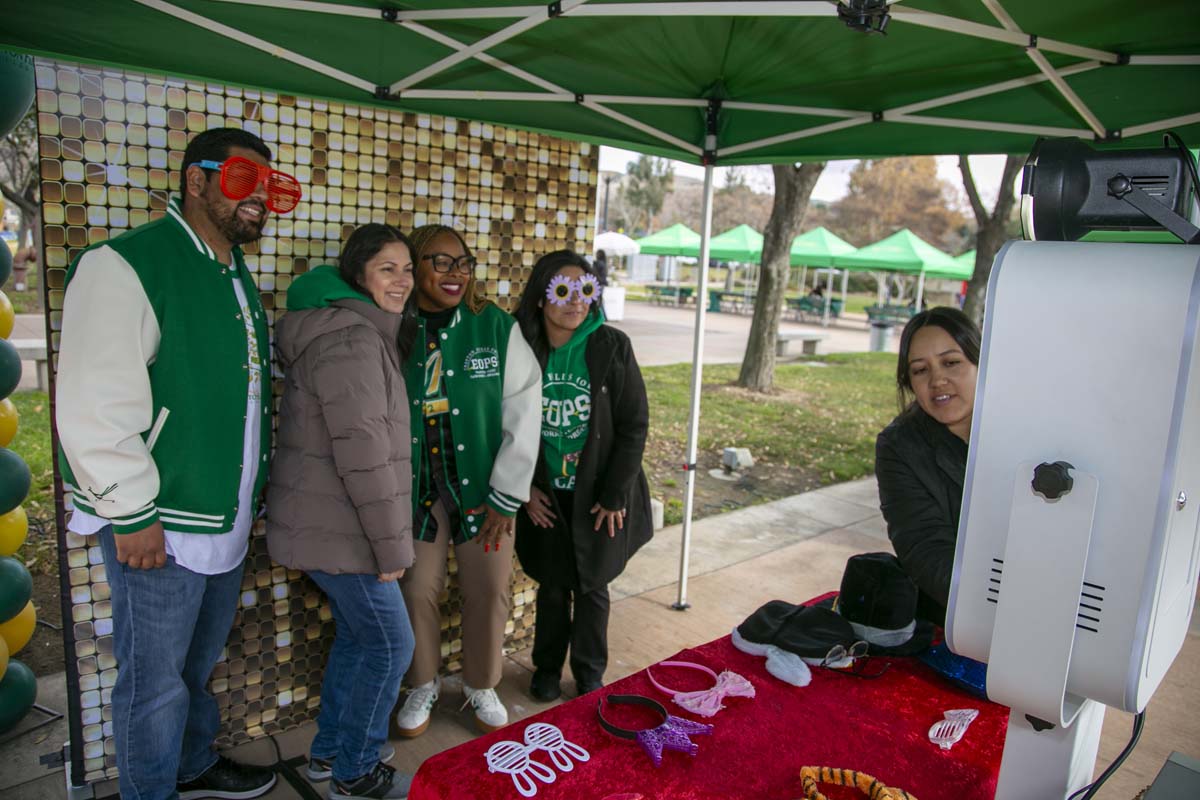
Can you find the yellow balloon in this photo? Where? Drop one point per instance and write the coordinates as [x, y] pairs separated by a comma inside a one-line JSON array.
[[3, 657], [7, 316], [9, 417], [14, 526], [17, 631]]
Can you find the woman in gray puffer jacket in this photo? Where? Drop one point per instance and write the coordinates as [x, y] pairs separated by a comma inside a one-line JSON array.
[[339, 499]]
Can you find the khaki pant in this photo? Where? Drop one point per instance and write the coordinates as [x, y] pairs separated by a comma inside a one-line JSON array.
[[484, 581]]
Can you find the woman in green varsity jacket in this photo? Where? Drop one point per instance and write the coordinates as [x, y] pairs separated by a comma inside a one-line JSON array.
[[476, 393], [589, 509]]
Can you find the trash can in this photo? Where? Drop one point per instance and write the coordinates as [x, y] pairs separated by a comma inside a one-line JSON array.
[[881, 336], [613, 298]]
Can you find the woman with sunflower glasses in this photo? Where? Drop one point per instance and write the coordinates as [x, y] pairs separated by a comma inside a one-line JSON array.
[[589, 508], [476, 396]]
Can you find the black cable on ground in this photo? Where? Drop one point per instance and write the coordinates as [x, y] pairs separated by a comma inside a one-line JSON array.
[[1139, 722], [289, 773]]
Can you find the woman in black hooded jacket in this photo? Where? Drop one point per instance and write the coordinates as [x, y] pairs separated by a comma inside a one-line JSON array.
[[589, 509]]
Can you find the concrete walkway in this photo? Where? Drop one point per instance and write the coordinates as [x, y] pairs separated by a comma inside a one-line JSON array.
[[664, 334], [792, 549]]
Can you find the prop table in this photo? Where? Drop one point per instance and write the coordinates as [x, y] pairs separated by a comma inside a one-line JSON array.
[[758, 744]]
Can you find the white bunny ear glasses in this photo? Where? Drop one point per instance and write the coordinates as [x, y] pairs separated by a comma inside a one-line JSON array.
[[516, 759]]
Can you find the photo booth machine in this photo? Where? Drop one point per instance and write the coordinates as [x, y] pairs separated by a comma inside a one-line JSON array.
[[1076, 563]]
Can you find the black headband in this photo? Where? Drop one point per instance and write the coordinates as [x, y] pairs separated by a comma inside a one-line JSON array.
[[629, 699]]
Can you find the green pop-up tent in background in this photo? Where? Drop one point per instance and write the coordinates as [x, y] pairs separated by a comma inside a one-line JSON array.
[[18, 686], [905, 252], [818, 248]]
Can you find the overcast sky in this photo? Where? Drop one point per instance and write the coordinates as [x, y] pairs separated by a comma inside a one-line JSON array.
[[835, 179]]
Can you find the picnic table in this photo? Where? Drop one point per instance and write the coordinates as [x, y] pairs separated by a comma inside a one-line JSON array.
[[810, 306], [897, 315], [737, 302], [669, 294]]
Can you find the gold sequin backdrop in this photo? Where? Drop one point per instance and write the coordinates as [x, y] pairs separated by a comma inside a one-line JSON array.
[[111, 143]]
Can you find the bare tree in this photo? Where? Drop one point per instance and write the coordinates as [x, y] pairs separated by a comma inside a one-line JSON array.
[[991, 230], [19, 178], [793, 186]]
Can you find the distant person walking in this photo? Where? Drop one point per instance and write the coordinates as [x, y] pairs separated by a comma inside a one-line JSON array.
[[600, 267]]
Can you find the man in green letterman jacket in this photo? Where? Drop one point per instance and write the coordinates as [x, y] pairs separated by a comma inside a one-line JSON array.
[[163, 413]]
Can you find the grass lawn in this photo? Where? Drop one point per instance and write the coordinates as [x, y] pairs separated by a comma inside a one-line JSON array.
[[817, 428], [857, 303], [32, 443], [29, 300]]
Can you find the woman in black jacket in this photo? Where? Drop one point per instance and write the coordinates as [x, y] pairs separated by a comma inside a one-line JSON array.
[[921, 457], [589, 507]]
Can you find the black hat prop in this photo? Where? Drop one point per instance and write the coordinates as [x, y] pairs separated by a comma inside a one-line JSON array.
[[807, 631], [879, 601]]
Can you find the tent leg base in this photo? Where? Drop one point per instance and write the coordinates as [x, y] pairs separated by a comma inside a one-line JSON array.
[[680, 606]]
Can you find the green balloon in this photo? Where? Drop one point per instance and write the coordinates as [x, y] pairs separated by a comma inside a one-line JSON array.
[[14, 482], [18, 692], [17, 89], [5, 263], [16, 587], [10, 363]]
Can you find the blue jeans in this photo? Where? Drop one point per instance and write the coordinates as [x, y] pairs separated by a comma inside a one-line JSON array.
[[169, 626], [372, 648]]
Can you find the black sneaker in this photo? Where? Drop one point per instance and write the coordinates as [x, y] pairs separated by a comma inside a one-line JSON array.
[[320, 769], [583, 687], [228, 780], [381, 783], [545, 686]]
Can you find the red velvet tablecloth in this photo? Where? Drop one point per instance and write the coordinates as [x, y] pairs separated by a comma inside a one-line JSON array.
[[758, 745]]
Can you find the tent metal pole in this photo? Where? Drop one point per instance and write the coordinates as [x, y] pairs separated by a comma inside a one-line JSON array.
[[845, 284], [920, 288], [1160, 125], [689, 492]]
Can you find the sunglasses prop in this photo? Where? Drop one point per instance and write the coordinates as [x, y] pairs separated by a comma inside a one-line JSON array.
[[560, 289], [241, 176]]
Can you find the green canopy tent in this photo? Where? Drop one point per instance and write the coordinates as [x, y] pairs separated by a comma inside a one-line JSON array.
[[903, 251], [738, 83], [677, 240], [817, 248], [743, 245], [963, 271]]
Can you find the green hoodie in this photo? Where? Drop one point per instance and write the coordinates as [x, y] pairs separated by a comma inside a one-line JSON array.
[[319, 287], [567, 404]]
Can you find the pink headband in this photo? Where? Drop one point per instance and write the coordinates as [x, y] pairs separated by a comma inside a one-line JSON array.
[[705, 702]]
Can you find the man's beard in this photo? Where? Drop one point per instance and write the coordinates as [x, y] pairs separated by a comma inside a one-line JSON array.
[[237, 230]]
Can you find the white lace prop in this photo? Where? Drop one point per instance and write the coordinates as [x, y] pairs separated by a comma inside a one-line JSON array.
[[945, 733], [513, 758], [787, 667], [543, 736]]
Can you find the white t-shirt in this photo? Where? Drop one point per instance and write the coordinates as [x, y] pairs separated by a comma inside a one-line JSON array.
[[216, 553]]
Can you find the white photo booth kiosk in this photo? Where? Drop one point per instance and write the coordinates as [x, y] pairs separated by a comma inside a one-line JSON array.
[[1077, 557], [1080, 598]]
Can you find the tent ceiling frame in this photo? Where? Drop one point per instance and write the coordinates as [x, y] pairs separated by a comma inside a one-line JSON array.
[[484, 44], [532, 16], [1048, 70], [259, 44]]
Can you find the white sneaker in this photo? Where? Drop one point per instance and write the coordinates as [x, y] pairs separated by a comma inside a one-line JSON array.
[[490, 713], [413, 718]]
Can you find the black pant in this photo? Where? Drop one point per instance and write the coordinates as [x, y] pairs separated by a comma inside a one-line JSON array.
[[586, 631]]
